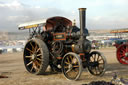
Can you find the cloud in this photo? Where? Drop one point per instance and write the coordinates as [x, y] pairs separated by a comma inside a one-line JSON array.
[[13, 5], [16, 12], [107, 22]]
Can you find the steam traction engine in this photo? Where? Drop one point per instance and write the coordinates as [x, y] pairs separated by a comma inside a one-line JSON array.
[[56, 42], [122, 47]]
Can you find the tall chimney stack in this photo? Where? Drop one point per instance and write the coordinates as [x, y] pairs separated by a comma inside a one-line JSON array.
[[82, 15]]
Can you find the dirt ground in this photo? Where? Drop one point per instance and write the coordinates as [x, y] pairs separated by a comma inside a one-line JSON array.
[[11, 65]]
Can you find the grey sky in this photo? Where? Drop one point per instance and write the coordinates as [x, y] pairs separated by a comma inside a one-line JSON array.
[[101, 14]]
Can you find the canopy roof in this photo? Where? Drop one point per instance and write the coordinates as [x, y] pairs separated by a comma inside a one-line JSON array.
[[31, 24], [49, 23]]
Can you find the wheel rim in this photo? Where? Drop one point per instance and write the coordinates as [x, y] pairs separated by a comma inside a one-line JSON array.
[[71, 67], [122, 54], [97, 64], [32, 57]]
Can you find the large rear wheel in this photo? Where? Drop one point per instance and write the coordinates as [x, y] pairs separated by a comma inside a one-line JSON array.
[[71, 66], [36, 56]]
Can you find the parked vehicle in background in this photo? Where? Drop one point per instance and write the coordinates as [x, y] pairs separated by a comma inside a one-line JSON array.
[[122, 51]]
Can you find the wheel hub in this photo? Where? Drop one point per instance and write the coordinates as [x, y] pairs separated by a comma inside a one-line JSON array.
[[70, 66], [34, 57], [94, 64], [126, 54]]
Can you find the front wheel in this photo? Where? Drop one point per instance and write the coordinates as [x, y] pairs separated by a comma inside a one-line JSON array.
[[71, 66], [97, 63]]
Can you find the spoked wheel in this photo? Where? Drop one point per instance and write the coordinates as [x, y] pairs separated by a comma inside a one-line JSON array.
[[122, 54], [97, 63], [71, 66], [36, 56]]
